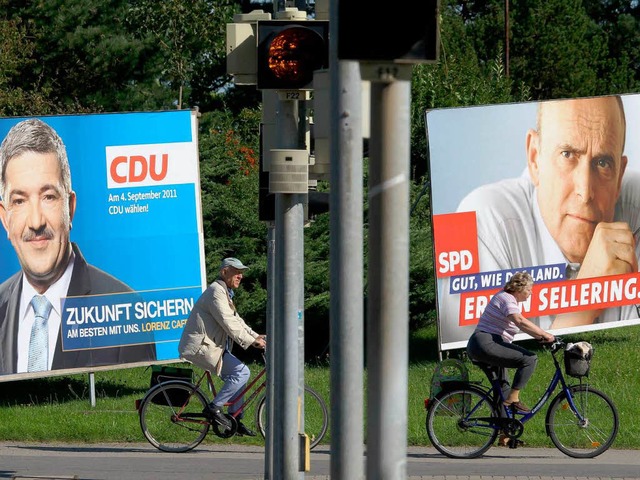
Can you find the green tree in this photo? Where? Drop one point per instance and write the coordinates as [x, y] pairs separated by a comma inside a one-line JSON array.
[[15, 51], [229, 152], [71, 56], [620, 22], [458, 79], [83, 56], [191, 37], [556, 48]]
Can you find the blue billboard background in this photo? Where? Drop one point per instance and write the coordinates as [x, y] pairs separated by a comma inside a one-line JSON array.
[[151, 242]]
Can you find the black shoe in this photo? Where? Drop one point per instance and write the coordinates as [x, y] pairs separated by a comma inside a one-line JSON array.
[[244, 430], [215, 414]]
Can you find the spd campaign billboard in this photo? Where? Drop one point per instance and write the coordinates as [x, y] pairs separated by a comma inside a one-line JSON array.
[[102, 252], [551, 188]]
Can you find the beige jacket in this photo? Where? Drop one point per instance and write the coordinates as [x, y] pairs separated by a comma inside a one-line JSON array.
[[212, 321]]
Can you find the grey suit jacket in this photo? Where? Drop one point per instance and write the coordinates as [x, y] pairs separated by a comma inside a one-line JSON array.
[[85, 280]]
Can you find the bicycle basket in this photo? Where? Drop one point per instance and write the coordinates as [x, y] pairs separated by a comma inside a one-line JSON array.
[[162, 373], [577, 359], [447, 371]]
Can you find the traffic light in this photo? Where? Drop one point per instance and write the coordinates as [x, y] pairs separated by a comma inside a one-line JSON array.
[[317, 203], [397, 34], [289, 52]]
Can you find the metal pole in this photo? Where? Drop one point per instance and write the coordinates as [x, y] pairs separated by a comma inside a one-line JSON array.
[[346, 262], [289, 312], [270, 391], [269, 114], [388, 295]]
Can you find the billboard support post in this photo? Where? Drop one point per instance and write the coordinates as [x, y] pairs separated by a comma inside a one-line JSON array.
[[92, 388]]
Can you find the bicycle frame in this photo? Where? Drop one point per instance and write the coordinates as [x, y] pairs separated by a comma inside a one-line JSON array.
[[175, 417], [557, 379], [247, 401], [466, 418], [212, 388]]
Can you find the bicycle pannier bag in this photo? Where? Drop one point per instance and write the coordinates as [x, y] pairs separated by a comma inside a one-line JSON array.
[[448, 372], [162, 373], [577, 359]]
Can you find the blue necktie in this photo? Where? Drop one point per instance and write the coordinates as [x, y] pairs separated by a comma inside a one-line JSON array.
[[39, 342]]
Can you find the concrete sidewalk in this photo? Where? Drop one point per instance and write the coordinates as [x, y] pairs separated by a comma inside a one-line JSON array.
[[426, 463], [222, 461]]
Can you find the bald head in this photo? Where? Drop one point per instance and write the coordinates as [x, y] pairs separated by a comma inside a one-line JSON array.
[[575, 160]]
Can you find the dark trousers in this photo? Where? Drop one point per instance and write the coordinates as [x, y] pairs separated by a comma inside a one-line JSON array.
[[490, 348]]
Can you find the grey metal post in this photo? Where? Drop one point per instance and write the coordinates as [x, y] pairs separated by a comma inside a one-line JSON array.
[[289, 313], [270, 316], [269, 114], [346, 258], [388, 292]]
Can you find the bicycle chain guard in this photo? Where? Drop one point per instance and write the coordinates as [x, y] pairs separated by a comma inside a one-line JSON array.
[[225, 432], [514, 428]]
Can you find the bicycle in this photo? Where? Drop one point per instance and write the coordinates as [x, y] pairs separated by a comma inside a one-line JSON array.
[[172, 414], [464, 419]]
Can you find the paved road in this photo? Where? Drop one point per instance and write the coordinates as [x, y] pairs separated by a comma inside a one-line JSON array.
[[233, 462]]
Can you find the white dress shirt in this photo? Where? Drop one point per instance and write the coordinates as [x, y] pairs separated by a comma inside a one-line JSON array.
[[54, 294]]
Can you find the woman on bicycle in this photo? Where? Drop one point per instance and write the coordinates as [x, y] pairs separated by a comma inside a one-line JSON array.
[[491, 342]]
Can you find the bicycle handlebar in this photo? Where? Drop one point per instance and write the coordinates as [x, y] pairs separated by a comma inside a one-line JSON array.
[[557, 344]]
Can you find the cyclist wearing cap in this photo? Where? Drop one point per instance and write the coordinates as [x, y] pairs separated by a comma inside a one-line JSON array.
[[208, 336]]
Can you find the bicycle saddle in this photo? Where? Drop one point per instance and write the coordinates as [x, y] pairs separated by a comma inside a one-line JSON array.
[[492, 372]]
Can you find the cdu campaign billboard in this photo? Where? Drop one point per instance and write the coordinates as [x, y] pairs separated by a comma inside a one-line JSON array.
[[551, 188], [102, 252]]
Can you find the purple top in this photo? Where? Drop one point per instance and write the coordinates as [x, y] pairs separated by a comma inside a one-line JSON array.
[[495, 319]]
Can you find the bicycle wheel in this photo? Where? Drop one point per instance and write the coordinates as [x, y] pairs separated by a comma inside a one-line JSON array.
[[316, 416], [171, 416], [589, 432], [460, 423]]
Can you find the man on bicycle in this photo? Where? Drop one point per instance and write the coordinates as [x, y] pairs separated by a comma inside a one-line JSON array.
[[212, 327]]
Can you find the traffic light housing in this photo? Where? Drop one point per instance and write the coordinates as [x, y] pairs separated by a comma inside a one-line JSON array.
[[289, 52], [398, 34]]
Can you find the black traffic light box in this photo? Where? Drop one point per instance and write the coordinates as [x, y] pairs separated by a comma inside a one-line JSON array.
[[289, 52], [405, 33]]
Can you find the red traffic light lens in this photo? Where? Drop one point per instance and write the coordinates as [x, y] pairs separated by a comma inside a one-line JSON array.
[[294, 53]]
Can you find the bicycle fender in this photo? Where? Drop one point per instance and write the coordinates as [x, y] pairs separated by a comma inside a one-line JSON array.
[[460, 385], [171, 382]]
